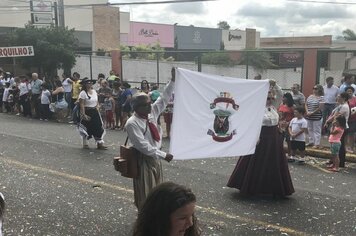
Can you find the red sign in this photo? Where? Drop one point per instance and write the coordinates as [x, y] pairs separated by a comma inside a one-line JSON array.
[[291, 59]]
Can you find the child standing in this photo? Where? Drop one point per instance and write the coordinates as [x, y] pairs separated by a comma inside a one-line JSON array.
[[5, 96], [337, 129], [1, 95], [10, 101], [45, 101], [298, 127], [109, 106]]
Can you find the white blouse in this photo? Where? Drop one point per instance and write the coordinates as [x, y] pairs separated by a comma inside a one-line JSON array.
[[271, 117], [89, 102]]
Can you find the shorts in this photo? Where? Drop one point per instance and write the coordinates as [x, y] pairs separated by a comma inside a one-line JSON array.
[[297, 145], [335, 148], [286, 135], [109, 116]]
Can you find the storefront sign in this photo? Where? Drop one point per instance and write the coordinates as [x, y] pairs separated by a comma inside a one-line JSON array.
[[41, 6], [197, 38], [231, 36], [42, 18], [148, 33], [291, 59], [19, 51]]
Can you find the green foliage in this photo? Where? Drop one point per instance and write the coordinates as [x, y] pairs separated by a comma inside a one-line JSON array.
[[100, 52], [147, 52], [259, 60], [54, 47], [217, 58], [349, 34]]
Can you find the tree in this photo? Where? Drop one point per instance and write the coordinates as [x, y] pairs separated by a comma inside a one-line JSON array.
[[54, 48], [259, 60], [349, 34], [223, 25], [217, 58], [147, 52]]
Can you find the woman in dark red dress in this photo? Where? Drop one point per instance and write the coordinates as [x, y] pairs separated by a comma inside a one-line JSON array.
[[266, 171]]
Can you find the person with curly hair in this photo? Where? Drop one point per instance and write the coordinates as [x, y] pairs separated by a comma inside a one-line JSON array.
[[168, 211]]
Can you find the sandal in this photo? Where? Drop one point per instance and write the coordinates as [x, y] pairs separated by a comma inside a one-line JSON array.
[[334, 169], [330, 166]]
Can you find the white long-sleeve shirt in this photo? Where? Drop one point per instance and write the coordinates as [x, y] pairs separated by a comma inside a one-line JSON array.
[[138, 131]]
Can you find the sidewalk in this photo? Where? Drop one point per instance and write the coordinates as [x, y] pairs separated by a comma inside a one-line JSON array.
[[325, 151]]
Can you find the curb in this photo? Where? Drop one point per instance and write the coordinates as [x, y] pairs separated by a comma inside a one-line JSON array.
[[321, 153]]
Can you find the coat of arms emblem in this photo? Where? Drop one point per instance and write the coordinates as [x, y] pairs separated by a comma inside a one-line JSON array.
[[222, 111]]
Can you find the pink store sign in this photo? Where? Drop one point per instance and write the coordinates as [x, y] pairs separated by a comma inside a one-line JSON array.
[[148, 33]]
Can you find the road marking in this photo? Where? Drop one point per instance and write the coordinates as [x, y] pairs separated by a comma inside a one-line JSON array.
[[115, 187], [65, 175], [319, 168]]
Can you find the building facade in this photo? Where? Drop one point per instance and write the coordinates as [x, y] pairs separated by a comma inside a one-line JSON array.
[[88, 21]]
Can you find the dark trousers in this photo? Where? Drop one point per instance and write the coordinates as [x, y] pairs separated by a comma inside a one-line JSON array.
[[328, 108], [342, 151], [7, 107], [26, 105], [36, 102], [44, 111]]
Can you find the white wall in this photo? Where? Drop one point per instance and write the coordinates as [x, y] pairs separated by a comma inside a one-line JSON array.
[[138, 70], [124, 22], [100, 64]]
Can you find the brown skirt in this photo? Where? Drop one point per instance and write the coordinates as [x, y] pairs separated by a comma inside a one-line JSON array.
[[266, 171]]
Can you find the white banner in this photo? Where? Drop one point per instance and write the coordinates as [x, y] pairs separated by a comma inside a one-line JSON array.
[[18, 51], [216, 116]]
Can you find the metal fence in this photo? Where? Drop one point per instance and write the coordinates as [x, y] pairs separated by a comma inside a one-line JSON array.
[[284, 66]]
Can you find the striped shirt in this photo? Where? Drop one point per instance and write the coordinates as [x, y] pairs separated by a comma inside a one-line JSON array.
[[313, 103]]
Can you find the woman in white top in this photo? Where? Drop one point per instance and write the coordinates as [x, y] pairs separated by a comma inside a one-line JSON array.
[[266, 171], [91, 124]]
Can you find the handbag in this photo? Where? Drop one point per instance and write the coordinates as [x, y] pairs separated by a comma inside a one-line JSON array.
[[52, 107], [62, 104], [127, 162]]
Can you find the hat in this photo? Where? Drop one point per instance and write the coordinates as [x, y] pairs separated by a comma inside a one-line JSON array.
[[86, 80]]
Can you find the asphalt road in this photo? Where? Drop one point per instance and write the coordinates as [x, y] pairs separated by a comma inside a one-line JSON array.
[[53, 187]]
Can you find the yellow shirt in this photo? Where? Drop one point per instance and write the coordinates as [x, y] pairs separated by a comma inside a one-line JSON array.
[[76, 89]]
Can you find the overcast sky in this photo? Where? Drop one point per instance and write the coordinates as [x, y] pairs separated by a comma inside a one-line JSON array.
[[270, 17]]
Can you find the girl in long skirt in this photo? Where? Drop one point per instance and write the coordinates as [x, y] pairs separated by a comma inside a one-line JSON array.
[[91, 124]]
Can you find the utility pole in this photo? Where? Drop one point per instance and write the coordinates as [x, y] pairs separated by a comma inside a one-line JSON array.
[[55, 7], [60, 13]]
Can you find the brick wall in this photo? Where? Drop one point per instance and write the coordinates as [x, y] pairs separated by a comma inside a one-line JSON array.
[[106, 28]]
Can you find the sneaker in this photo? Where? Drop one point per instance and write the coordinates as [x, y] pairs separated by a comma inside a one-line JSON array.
[[41, 119], [18, 114], [309, 144], [301, 160], [291, 159], [45, 120], [71, 122]]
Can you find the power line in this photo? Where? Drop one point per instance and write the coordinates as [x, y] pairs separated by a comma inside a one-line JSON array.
[[119, 4], [322, 2]]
